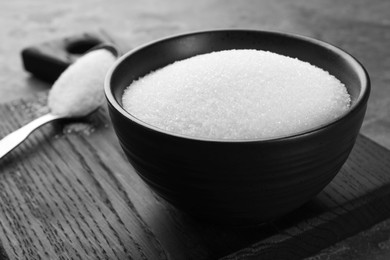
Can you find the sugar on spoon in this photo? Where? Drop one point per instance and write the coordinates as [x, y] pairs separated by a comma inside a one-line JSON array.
[[76, 93]]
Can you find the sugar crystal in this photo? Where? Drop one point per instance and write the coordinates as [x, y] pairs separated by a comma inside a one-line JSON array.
[[237, 94]]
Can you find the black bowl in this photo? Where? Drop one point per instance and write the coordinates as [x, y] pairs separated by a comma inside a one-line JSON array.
[[238, 182]]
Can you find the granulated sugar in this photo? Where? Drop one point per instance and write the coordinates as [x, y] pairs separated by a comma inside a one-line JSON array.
[[237, 94], [79, 89]]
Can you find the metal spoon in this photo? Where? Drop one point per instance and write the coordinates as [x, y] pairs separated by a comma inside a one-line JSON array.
[[15, 138], [12, 140]]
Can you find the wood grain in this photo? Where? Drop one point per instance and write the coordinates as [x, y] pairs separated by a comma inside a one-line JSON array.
[[68, 192]]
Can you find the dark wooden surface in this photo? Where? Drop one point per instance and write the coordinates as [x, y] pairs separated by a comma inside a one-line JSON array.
[[68, 192], [360, 27]]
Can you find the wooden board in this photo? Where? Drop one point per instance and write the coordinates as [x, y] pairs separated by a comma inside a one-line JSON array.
[[68, 192]]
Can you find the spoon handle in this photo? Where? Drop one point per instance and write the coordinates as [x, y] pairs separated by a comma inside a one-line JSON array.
[[9, 142]]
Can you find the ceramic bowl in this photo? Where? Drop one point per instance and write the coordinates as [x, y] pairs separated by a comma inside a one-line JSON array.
[[237, 182]]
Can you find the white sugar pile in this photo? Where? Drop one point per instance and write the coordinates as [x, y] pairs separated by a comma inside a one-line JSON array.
[[237, 94], [79, 89]]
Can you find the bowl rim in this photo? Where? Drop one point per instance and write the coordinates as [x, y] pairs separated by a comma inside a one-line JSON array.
[[357, 66]]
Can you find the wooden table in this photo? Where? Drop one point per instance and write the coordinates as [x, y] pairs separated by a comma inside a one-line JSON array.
[[68, 192]]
